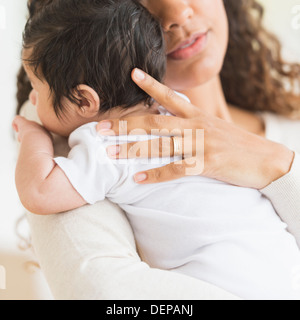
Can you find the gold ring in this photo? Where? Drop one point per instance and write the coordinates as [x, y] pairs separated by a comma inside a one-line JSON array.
[[177, 146]]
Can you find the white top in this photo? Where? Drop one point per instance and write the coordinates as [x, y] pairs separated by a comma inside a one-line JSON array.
[[223, 234]]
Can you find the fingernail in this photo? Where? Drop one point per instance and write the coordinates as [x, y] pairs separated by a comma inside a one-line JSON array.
[[113, 150], [139, 74], [140, 177]]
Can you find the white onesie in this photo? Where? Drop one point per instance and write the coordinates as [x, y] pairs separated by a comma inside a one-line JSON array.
[[226, 235]]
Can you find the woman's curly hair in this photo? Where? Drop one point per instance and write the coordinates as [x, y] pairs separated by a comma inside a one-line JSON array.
[[254, 75]]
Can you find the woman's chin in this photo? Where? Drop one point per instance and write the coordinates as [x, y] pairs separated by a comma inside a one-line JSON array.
[[194, 73], [191, 79]]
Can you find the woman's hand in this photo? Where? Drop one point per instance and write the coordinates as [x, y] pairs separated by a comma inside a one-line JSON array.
[[227, 153]]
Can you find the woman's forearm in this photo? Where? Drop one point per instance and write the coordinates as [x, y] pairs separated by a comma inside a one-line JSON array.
[[90, 254], [284, 194]]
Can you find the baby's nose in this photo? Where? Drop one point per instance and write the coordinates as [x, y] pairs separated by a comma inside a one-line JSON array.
[[32, 97]]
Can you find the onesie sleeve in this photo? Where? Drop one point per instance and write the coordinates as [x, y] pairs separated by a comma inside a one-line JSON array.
[[88, 168]]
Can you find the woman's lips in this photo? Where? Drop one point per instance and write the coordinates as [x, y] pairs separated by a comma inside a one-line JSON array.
[[190, 48]]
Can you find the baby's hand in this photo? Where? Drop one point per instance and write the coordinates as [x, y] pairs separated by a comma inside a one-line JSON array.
[[23, 126]]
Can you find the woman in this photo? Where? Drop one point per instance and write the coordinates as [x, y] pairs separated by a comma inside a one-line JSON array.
[[90, 254]]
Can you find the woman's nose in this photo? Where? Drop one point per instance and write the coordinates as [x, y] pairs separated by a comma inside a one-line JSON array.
[[32, 97], [173, 13]]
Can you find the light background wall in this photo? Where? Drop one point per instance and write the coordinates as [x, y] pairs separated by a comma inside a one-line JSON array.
[[23, 279], [10, 44], [26, 283], [283, 17]]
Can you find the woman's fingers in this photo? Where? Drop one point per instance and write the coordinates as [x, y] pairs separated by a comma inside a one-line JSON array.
[[189, 167], [155, 148], [151, 124], [165, 96]]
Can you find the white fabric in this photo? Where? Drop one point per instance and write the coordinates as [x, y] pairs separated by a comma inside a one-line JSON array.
[[223, 234], [285, 192], [90, 253]]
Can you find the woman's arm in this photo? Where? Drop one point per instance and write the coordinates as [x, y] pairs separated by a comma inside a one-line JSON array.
[[284, 194], [42, 186], [90, 253]]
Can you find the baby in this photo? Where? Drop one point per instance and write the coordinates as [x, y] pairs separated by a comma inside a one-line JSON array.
[[79, 56]]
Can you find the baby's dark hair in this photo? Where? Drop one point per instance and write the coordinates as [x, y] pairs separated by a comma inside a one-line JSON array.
[[97, 43]]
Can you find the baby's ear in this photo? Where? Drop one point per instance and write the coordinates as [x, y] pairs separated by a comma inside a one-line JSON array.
[[89, 101]]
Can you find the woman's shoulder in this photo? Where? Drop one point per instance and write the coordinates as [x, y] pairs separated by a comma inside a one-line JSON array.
[[282, 129]]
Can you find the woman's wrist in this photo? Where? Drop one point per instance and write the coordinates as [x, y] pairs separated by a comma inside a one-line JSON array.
[[279, 163]]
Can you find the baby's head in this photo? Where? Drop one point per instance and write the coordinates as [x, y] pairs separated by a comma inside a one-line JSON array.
[[79, 56]]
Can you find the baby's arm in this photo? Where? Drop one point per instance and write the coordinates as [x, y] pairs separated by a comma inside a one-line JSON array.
[[42, 186]]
